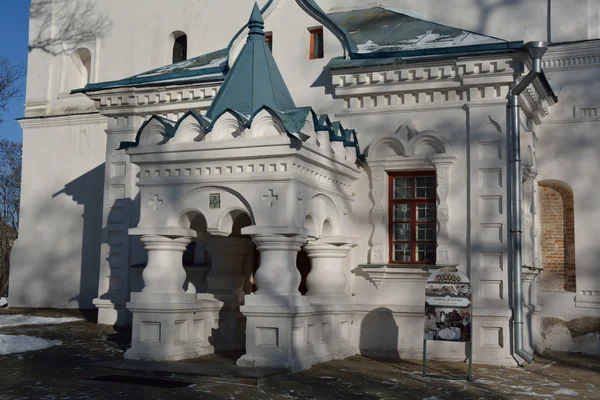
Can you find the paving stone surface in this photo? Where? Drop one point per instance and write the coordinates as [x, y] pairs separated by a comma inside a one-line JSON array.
[[84, 368]]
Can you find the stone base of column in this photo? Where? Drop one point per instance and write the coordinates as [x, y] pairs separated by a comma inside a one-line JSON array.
[[112, 314], [164, 327], [289, 332]]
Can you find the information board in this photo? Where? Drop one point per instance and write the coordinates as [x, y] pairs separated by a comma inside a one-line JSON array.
[[448, 310]]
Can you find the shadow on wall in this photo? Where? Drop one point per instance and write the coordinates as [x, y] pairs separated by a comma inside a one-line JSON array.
[[65, 23], [88, 191], [379, 334]]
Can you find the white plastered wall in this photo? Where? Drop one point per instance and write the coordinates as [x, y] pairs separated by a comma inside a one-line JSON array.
[[54, 262]]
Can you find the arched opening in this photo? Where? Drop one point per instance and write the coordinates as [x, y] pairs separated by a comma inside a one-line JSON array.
[[77, 69], [558, 236], [85, 57], [180, 46], [309, 224], [196, 259], [327, 228], [304, 266]]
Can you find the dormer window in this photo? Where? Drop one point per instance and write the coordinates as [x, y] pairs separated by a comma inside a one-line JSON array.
[[179, 47], [316, 43]]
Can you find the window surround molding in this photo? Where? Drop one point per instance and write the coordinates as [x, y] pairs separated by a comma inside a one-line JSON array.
[[405, 147]]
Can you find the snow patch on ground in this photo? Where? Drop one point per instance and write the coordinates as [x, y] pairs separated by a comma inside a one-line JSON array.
[[19, 320], [20, 344], [3, 302], [566, 392]]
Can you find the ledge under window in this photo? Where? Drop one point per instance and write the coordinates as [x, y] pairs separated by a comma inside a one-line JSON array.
[[379, 273]]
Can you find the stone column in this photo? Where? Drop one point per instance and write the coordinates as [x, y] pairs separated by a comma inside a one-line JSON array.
[[164, 272], [329, 335], [163, 313], [278, 274], [327, 276], [277, 315]]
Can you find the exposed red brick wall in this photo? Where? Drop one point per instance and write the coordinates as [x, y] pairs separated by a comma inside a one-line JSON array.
[[558, 238]]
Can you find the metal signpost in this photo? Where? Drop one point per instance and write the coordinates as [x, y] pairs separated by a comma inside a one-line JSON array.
[[448, 312]]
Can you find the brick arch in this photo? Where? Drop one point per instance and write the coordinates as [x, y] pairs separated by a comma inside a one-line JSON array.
[[558, 235]]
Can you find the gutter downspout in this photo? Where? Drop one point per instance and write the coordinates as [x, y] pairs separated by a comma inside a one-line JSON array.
[[536, 51]]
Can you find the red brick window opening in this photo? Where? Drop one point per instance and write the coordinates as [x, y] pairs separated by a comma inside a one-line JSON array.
[[269, 40], [412, 216], [316, 43]]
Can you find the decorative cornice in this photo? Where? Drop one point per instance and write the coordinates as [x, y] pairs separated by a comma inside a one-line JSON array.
[[423, 87], [144, 101], [570, 56]]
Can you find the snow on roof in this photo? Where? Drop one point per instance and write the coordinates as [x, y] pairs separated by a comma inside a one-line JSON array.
[[388, 30], [207, 67]]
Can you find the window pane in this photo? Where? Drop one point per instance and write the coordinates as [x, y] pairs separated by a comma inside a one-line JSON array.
[[403, 188], [402, 252], [402, 212], [426, 252], [402, 232], [426, 212], [426, 187], [318, 45], [425, 232]]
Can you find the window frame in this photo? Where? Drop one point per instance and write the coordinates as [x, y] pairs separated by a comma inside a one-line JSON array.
[[269, 40], [413, 221], [318, 30]]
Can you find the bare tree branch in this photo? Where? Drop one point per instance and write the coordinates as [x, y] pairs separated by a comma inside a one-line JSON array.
[[11, 85], [10, 196]]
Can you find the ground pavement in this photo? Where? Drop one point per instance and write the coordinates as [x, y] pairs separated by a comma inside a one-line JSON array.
[[89, 365]]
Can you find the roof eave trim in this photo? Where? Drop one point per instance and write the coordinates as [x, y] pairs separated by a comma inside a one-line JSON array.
[[441, 51], [94, 87]]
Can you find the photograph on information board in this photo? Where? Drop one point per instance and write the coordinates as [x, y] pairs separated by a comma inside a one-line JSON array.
[[448, 306]]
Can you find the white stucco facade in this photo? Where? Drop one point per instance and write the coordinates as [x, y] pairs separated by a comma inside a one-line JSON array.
[[106, 228]]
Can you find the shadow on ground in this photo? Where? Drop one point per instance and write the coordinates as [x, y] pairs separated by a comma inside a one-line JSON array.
[[90, 365]]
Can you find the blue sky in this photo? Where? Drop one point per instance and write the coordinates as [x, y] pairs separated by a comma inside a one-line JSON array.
[[14, 32]]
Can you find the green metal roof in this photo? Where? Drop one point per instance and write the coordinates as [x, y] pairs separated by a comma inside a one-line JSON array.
[[254, 84], [254, 80], [205, 68], [381, 32]]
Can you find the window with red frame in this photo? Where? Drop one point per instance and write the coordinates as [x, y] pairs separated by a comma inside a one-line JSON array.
[[412, 216]]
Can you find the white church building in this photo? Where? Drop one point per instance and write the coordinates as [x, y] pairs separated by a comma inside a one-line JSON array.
[[286, 176]]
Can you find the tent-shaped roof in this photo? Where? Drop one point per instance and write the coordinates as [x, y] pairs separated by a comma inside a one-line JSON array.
[[254, 80], [254, 84]]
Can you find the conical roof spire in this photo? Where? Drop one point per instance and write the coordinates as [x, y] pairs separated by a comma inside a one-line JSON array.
[[256, 25], [254, 80]]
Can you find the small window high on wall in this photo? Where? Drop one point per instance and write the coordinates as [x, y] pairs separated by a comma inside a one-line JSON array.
[[316, 43], [76, 70], [180, 45], [269, 40]]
